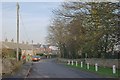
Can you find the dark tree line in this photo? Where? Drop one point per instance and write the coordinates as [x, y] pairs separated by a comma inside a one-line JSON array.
[[86, 29]]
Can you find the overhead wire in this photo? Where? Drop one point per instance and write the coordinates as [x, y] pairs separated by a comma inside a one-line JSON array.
[[22, 23], [24, 28], [21, 20]]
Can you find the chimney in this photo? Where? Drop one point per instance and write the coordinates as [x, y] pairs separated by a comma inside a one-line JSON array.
[[12, 40], [6, 40]]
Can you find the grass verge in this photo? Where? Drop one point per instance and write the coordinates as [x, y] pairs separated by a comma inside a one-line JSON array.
[[103, 71]]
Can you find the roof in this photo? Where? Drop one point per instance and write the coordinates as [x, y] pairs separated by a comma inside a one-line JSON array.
[[13, 45], [36, 45]]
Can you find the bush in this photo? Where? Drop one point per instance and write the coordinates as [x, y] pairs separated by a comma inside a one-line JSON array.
[[40, 54], [10, 66], [17, 65], [8, 53]]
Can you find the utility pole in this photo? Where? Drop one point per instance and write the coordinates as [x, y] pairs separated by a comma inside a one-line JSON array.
[[32, 48], [17, 32]]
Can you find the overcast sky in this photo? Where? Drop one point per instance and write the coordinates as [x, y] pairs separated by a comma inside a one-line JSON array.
[[35, 18]]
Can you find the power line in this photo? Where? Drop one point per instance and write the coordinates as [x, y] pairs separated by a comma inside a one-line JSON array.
[[24, 28]]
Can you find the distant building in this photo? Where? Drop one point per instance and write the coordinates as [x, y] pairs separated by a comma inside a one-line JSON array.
[[31, 49], [45, 49], [25, 48], [40, 49], [54, 49]]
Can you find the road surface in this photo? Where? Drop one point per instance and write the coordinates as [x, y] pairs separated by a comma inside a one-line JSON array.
[[48, 68]]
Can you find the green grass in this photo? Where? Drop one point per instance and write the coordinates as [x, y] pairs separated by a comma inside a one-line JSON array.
[[103, 71]]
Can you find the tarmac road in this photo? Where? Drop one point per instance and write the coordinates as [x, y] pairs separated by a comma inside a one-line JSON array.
[[48, 68]]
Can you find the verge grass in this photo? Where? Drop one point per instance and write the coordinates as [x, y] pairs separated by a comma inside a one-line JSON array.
[[103, 71]]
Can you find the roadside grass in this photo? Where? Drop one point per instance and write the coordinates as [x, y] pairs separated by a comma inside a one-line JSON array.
[[103, 71]]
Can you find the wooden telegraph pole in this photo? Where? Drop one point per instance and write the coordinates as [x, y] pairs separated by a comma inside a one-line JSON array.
[[17, 32], [32, 48]]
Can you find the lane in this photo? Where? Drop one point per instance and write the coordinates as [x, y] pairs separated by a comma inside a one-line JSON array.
[[49, 69]]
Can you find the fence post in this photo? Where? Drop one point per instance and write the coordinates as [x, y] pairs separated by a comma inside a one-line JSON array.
[[68, 62], [81, 64], [72, 62], [96, 67], [87, 65], [114, 69], [76, 63]]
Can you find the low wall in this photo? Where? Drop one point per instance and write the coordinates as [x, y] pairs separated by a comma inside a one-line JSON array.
[[62, 60], [104, 62], [92, 61]]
